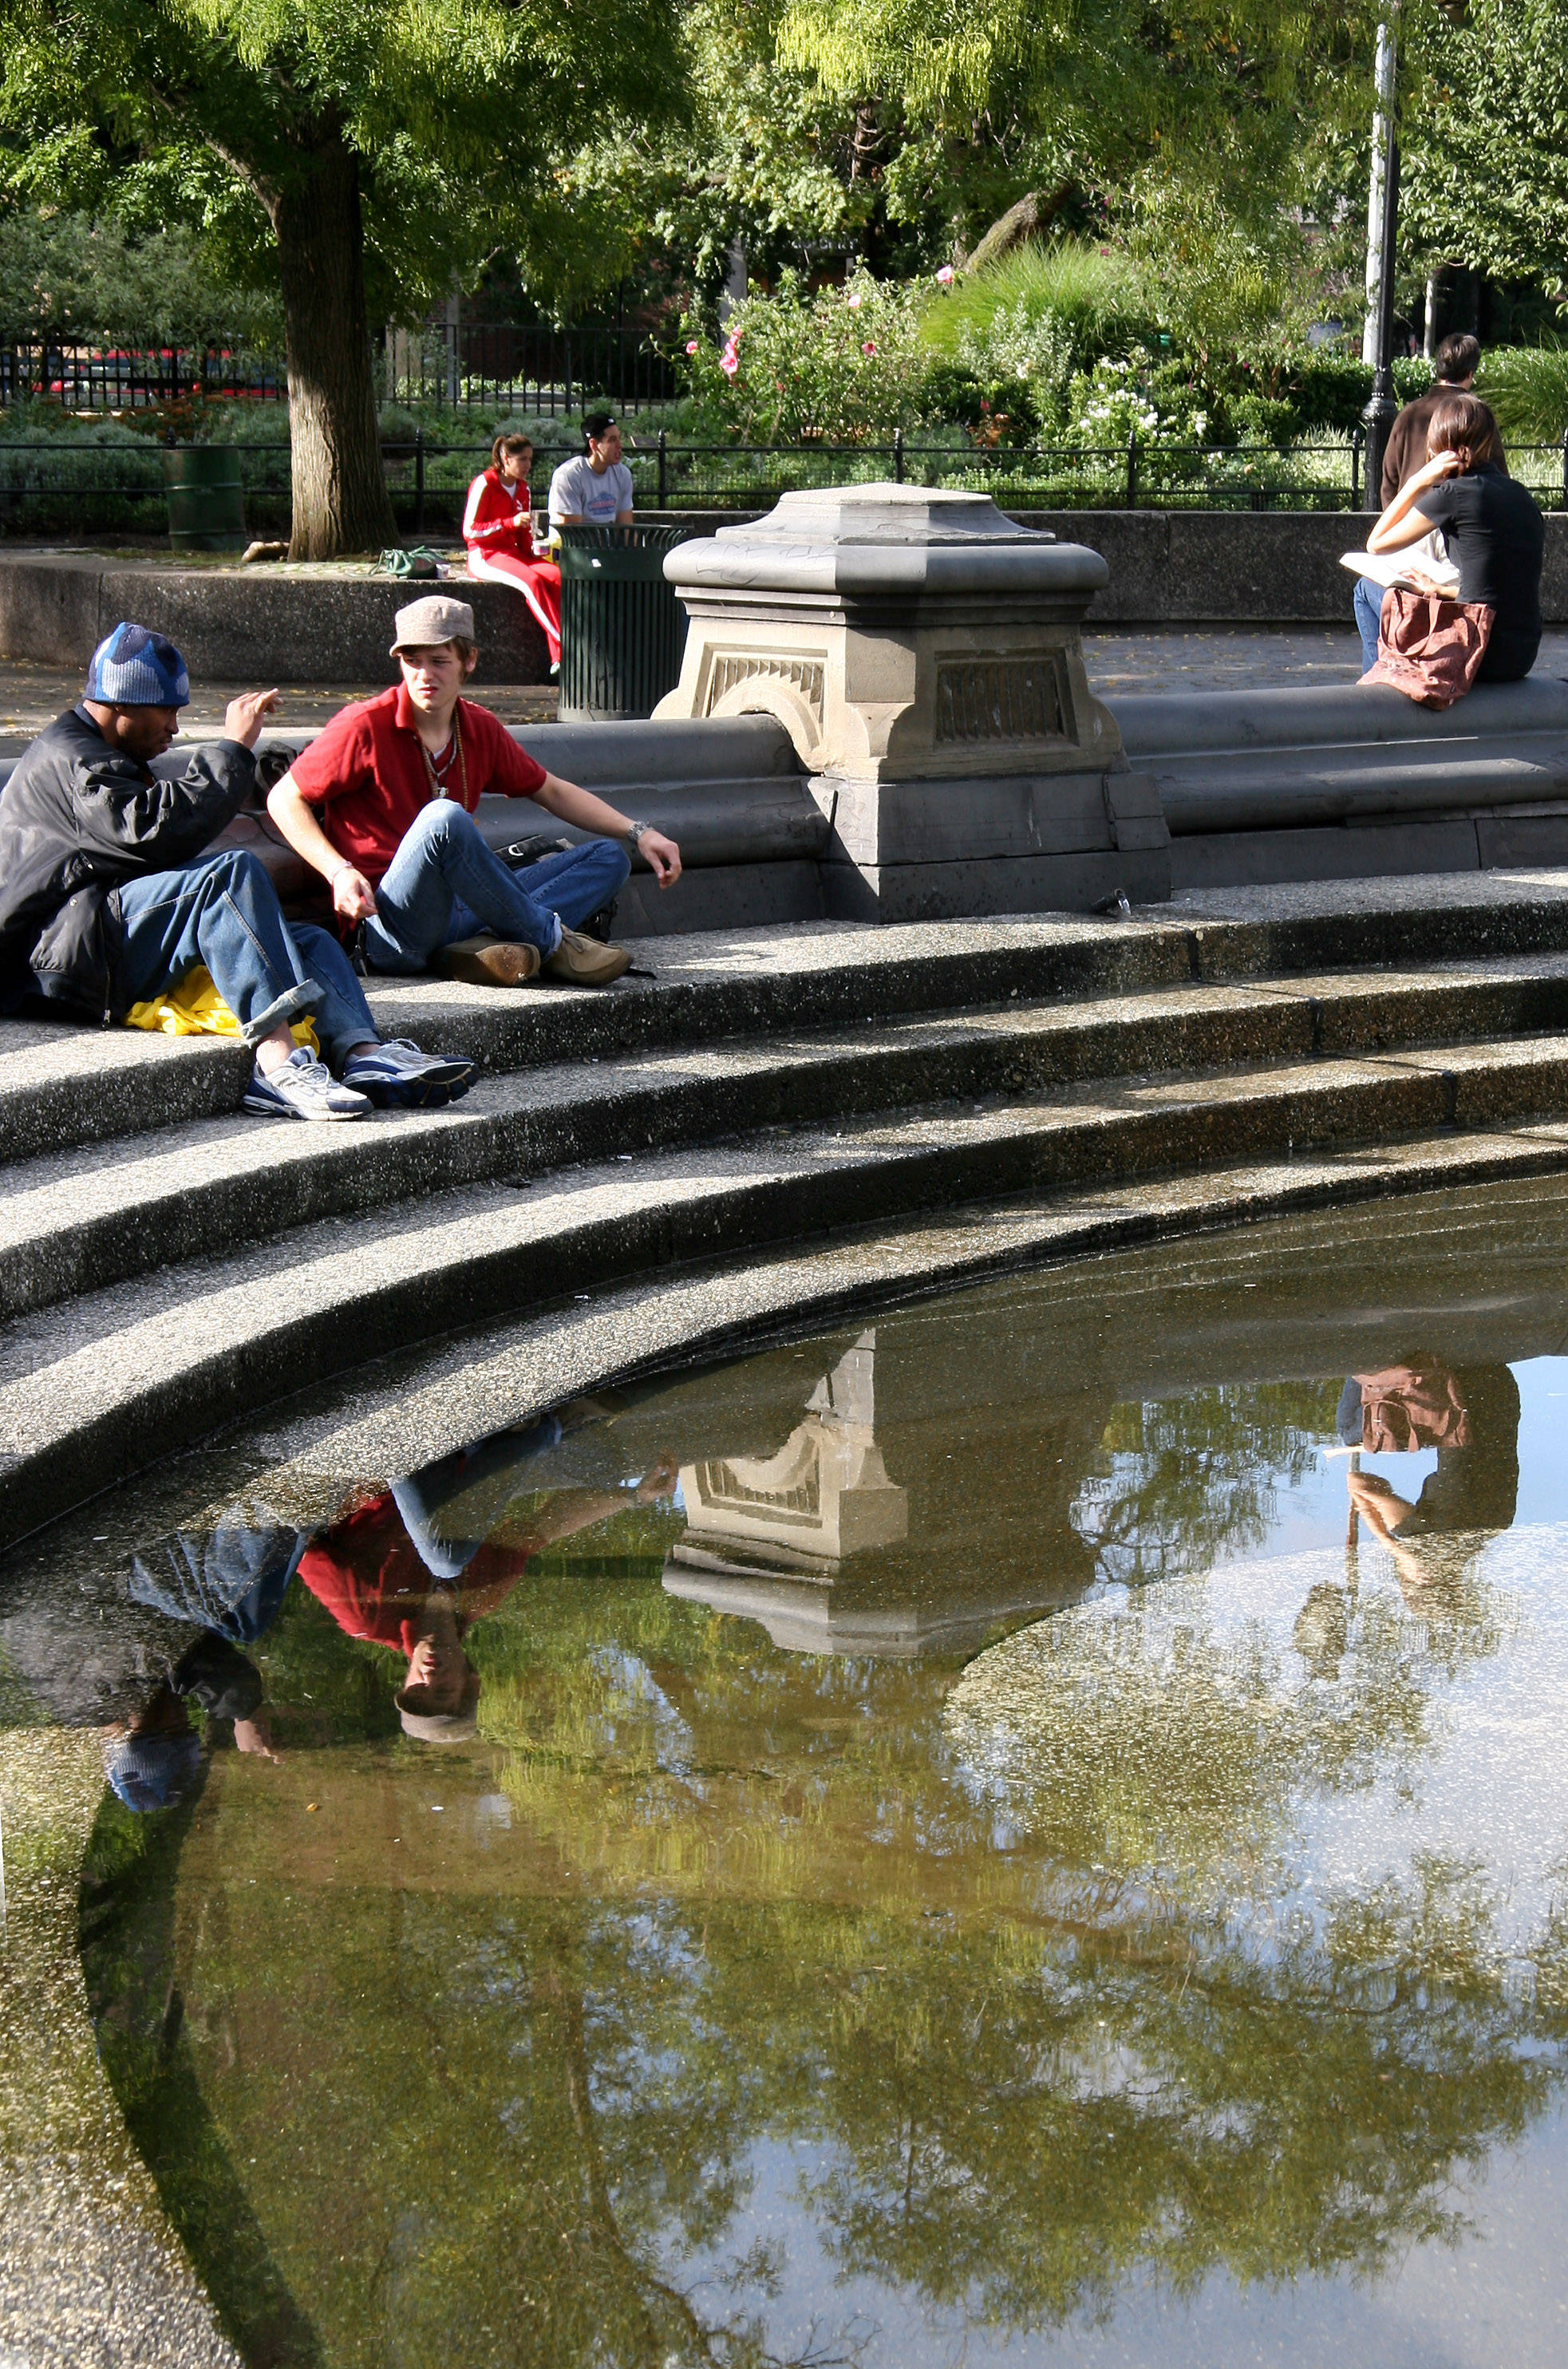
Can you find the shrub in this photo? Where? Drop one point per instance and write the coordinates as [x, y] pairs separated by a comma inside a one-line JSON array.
[[1120, 398], [843, 365], [1528, 389], [1091, 295]]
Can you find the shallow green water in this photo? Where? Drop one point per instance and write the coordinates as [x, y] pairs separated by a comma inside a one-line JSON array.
[[966, 1853]]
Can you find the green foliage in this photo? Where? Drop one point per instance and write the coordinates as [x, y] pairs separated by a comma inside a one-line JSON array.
[[217, 107], [95, 280], [1484, 167], [1091, 295], [1215, 98], [1528, 389], [842, 364], [760, 155]]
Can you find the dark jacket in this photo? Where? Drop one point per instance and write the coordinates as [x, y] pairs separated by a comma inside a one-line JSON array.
[[1406, 449], [76, 819]]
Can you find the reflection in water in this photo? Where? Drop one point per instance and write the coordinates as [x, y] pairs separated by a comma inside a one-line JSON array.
[[413, 1567], [985, 1858], [1471, 1419], [823, 1497]]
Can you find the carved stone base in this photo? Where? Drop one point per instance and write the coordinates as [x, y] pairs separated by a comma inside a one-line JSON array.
[[1003, 843]]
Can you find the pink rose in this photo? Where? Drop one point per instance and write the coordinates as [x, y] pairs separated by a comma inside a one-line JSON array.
[[855, 301], [869, 346], [945, 277], [729, 361], [691, 345]]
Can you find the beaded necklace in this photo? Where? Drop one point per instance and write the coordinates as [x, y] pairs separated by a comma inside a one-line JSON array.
[[438, 771]]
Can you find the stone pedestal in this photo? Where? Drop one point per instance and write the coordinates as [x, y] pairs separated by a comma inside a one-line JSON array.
[[924, 655]]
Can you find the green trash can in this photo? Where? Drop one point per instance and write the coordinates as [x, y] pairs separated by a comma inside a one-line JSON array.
[[623, 629], [206, 499]]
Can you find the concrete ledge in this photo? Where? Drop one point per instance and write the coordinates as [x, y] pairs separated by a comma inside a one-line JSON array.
[[1167, 568], [234, 624], [1243, 567]]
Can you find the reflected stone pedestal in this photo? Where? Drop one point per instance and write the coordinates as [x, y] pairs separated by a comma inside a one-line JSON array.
[[924, 655]]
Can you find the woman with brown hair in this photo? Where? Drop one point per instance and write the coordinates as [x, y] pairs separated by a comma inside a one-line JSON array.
[[1494, 535], [498, 529]]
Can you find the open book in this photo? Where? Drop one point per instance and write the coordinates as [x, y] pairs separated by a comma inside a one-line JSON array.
[[1427, 558]]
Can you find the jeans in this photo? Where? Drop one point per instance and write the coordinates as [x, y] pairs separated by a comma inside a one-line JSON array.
[[224, 911], [1368, 609], [483, 1480], [444, 884]]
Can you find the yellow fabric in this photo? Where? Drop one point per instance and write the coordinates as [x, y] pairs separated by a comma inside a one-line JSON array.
[[196, 1008]]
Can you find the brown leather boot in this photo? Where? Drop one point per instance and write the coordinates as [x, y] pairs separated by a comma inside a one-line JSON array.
[[487, 962], [585, 962]]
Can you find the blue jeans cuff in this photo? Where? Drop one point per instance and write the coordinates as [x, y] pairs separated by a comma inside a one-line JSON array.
[[285, 1008]]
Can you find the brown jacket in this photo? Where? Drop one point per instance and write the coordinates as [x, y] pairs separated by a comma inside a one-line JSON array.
[[1406, 448]]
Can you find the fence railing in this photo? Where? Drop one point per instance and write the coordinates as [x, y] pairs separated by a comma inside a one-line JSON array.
[[65, 484], [527, 367], [126, 378], [463, 365]]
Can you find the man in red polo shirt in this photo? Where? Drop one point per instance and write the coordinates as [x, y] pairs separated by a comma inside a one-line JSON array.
[[381, 805]]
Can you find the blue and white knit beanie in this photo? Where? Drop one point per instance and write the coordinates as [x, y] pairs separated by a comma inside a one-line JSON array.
[[153, 1772], [135, 668]]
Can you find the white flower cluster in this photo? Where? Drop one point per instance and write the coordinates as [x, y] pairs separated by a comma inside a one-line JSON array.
[[1038, 347]]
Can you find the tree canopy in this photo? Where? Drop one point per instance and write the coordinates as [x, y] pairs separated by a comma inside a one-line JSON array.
[[1486, 161], [364, 157]]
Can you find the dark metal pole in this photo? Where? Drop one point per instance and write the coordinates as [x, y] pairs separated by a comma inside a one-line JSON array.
[[419, 481], [663, 466], [1132, 468], [1382, 407]]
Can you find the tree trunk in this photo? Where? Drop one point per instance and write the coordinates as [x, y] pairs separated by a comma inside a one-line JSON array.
[[341, 498]]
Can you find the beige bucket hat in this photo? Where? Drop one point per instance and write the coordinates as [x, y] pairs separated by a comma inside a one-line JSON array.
[[435, 618]]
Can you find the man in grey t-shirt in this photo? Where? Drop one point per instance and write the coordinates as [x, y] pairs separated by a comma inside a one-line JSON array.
[[596, 489]]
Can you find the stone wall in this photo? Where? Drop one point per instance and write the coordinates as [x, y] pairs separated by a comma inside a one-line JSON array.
[[236, 624], [1243, 567], [1168, 568]]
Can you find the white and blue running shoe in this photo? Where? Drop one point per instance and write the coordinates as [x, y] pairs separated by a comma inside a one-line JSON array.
[[397, 1074], [302, 1088]]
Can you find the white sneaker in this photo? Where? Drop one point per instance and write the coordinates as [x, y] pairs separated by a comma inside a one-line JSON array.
[[302, 1088], [397, 1073]]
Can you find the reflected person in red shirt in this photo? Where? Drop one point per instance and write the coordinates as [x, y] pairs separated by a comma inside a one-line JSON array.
[[382, 805], [406, 1569]]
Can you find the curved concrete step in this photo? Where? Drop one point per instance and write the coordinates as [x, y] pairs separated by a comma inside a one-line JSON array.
[[81, 1220], [62, 1085], [112, 1381]]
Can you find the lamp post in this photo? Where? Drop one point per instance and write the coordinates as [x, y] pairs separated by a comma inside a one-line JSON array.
[[1382, 225]]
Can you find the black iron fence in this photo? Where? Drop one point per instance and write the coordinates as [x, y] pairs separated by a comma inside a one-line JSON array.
[[462, 365], [131, 378], [527, 367], [110, 480]]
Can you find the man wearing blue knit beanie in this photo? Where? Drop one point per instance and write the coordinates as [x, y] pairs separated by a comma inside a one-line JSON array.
[[107, 900]]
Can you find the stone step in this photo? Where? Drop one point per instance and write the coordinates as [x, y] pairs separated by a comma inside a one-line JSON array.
[[60, 1086], [119, 1378], [80, 1220]]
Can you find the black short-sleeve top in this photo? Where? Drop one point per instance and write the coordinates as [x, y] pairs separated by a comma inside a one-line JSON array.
[[1495, 538]]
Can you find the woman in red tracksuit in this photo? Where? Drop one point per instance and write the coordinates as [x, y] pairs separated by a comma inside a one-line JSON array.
[[495, 528]]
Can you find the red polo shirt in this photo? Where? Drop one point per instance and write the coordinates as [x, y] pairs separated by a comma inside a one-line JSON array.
[[367, 1572], [367, 773]]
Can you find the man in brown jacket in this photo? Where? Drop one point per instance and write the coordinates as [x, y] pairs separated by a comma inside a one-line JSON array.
[[1454, 367]]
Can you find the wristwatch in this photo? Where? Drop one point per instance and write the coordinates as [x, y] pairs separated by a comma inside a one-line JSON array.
[[635, 831]]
